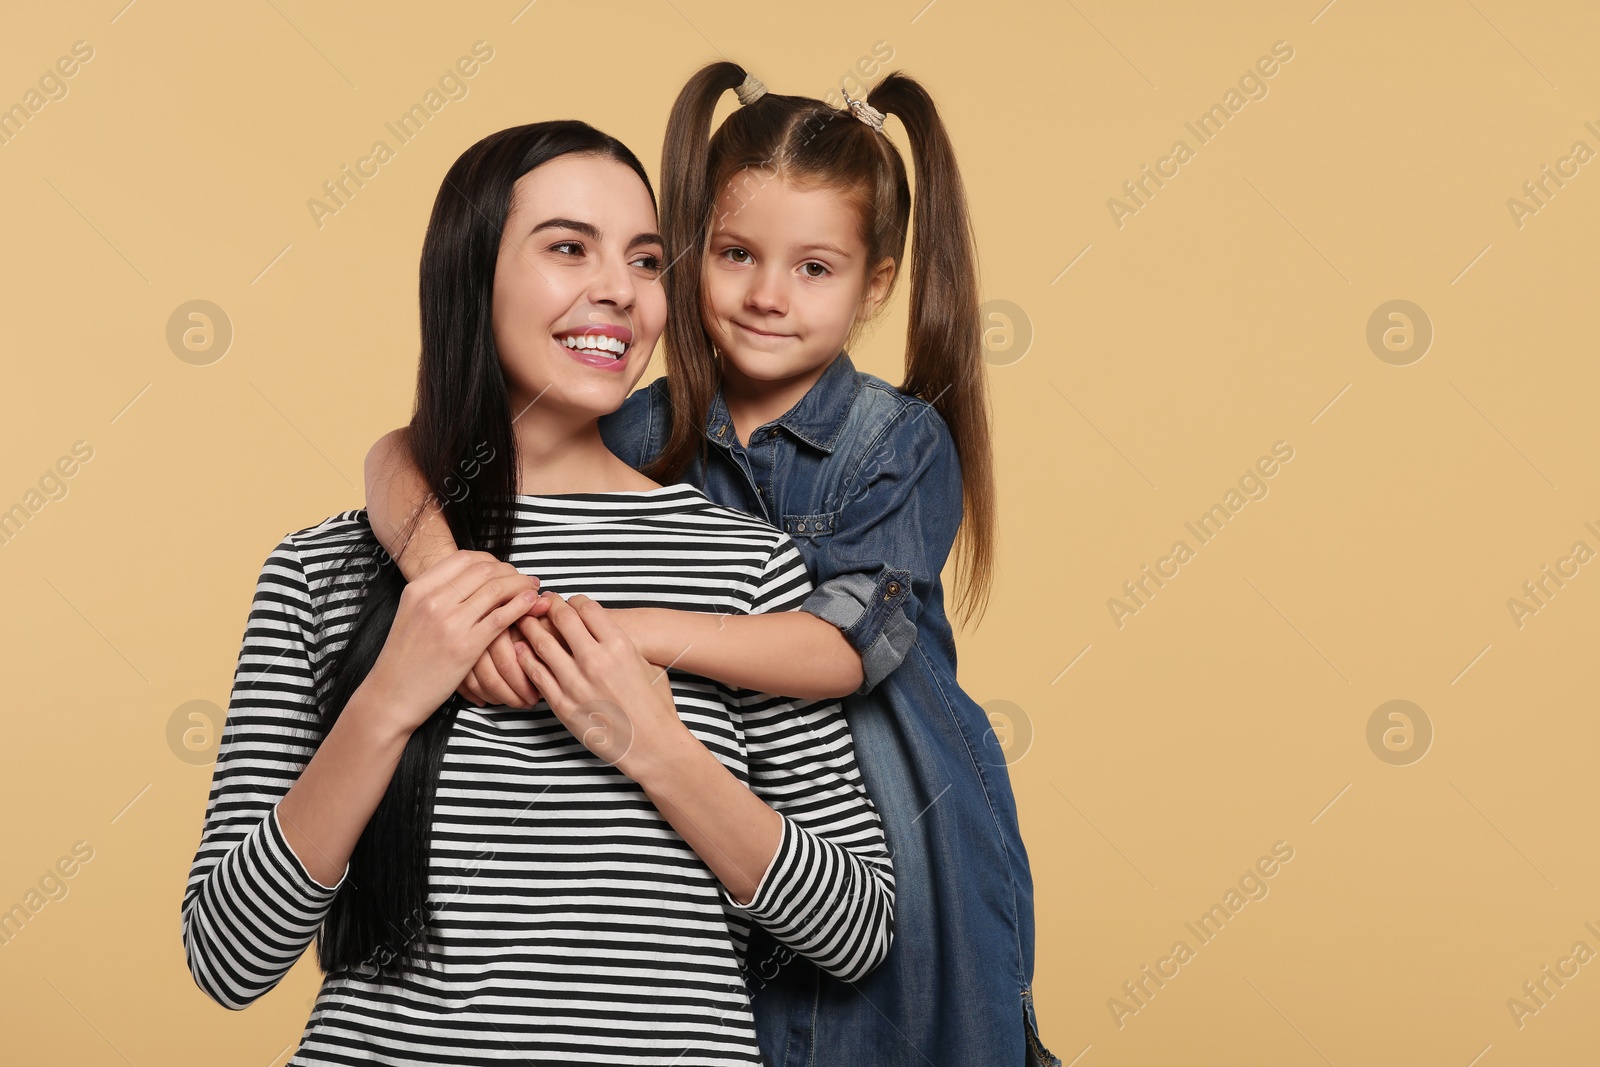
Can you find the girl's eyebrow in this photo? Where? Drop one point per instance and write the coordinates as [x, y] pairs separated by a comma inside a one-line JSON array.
[[841, 253], [739, 238], [592, 232]]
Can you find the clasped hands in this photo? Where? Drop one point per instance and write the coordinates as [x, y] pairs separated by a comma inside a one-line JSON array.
[[576, 656]]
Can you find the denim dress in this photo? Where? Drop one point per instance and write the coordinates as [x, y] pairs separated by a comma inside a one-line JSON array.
[[867, 482]]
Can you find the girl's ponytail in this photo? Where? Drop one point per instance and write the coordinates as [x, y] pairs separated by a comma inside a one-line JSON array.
[[686, 203], [944, 339]]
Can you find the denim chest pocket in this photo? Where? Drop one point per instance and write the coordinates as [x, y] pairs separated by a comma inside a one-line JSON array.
[[810, 527]]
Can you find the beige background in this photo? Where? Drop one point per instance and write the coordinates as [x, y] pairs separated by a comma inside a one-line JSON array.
[[1154, 762]]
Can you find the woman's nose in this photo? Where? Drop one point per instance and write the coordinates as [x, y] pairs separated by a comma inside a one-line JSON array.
[[612, 283]]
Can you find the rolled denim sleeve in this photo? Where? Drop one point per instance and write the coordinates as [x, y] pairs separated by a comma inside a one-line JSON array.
[[878, 569]]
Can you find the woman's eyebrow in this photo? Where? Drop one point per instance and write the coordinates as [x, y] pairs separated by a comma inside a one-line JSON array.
[[589, 230], [592, 232]]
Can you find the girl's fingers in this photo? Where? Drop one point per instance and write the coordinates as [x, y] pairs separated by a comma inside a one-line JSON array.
[[518, 647], [508, 672], [547, 685], [492, 685], [570, 625]]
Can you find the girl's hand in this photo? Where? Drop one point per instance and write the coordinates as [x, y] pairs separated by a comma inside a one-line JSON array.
[[498, 677], [446, 618], [601, 688]]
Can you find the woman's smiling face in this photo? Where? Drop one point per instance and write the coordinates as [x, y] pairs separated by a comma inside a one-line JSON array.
[[578, 300]]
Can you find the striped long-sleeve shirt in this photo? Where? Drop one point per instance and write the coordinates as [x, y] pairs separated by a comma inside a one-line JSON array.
[[573, 923]]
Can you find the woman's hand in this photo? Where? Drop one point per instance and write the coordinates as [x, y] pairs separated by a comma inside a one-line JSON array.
[[446, 619], [600, 687]]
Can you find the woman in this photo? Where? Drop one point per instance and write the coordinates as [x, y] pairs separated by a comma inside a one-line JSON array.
[[572, 882]]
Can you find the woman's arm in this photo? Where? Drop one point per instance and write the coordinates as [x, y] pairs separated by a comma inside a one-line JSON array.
[[832, 902], [284, 812], [793, 653], [396, 492]]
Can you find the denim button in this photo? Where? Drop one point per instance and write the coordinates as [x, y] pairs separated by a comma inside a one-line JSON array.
[[894, 589]]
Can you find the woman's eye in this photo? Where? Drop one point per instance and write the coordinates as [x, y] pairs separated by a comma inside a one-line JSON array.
[[649, 263], [822, 269], [577, 245]]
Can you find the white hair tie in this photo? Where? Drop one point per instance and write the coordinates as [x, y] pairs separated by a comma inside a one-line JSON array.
[[865, 112], [750, 90]]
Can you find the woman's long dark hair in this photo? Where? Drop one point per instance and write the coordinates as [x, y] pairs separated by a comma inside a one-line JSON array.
[[462, 443], [812, 143]]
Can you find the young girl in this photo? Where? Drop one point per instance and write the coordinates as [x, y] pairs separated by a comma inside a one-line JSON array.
[[786, 231], [571, 883]]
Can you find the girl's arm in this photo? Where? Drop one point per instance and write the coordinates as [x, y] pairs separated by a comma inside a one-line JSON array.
[[792, 653], [396, 492]]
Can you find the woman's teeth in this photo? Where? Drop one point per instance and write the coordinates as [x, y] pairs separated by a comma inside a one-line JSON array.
[[593, 342]]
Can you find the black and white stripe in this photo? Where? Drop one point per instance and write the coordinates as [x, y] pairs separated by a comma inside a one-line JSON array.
[[574, 924]]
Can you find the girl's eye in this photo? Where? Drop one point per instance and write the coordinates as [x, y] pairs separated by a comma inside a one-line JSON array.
[[821, 271], [735, 253]]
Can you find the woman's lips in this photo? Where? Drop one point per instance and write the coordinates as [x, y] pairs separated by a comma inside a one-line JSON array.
[[597, 344]]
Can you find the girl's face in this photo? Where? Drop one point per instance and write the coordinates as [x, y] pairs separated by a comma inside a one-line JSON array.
[[578, 302], [785, 279]]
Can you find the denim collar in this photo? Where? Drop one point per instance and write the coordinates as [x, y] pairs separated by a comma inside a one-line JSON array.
[[816, 419]]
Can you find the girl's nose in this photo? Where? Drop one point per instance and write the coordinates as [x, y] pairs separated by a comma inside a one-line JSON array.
[[766, 293]]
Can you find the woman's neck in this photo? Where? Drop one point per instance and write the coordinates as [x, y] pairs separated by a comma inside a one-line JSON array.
[[553, 458]]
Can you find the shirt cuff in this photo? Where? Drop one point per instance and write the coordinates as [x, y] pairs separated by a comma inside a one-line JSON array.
[[871, 615], [766, 902], [277, 848]]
